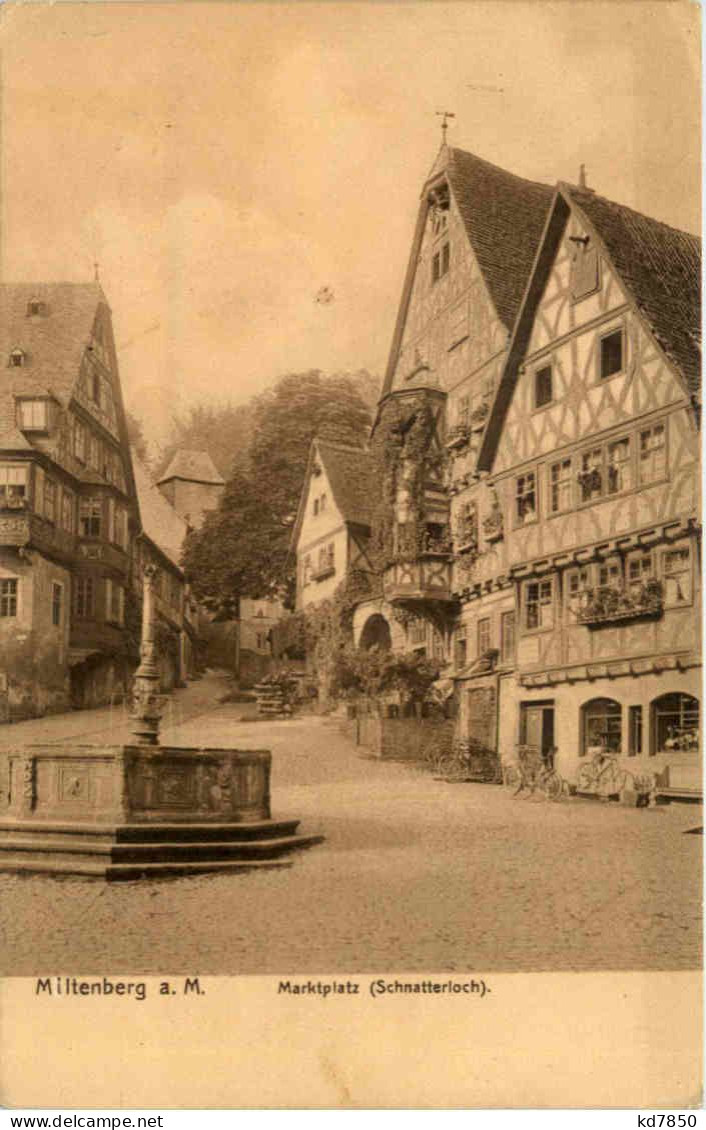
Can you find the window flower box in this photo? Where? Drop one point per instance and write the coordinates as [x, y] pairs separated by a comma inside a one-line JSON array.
[[609, 605]]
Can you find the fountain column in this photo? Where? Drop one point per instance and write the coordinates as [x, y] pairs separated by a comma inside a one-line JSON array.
[[146, 714]]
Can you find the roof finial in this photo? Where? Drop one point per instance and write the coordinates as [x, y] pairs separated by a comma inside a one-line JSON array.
[[444, 115], [582, 177], [96, 274]]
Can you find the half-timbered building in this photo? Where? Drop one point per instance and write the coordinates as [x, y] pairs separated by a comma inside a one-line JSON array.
[[536, 447], [592, 451], [332, 527]]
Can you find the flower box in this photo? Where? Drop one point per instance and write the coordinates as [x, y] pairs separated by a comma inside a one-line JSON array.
[[493, 526], [607, 605]]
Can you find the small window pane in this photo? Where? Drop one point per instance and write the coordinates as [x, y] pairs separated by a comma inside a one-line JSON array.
[[653, 454], [612, 353], [560, 486], [543, 386], [8, 597]]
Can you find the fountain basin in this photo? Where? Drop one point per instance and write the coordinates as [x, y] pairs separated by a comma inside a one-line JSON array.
[[125, 811]]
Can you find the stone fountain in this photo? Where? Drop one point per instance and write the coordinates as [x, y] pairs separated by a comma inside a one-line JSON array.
[[140, 809]]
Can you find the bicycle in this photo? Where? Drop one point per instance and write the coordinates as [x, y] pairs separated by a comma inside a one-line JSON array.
[[534, 771], [603, 775]]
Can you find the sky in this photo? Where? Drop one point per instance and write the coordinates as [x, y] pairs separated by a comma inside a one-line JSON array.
[[225, 162]]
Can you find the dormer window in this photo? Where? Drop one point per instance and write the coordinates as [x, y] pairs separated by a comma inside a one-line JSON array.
[[17, 359], [36, 308], [33, 415]]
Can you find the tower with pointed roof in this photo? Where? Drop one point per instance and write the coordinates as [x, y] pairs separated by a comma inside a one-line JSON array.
[[192, 484]]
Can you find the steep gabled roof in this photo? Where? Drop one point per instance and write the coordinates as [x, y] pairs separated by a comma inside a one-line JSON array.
[[54, 343], [160, 521], [504, 217], [193, 466], [659, 266], [349, 471]]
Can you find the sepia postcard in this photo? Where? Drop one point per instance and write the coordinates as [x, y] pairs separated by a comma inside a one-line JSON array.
[[350, 555]]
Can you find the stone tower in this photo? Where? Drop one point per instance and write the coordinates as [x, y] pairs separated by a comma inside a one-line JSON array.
[[192, 485]]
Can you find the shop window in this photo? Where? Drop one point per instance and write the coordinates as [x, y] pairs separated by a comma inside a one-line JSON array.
[[560, 486], [543, 386], [8, 597], [601, 725], [675, 724], [526, 498], [507, 637], [634, 731], [539, 604], [653, 454], [676, 575], [611, 354]]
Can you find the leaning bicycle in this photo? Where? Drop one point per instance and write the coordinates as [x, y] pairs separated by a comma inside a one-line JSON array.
[[533, 772], [604, 775]]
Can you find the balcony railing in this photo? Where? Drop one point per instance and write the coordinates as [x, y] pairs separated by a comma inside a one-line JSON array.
[[427, 578], [607, 605]]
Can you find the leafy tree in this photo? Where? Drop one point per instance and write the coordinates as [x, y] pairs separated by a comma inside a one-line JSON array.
[[223, 430], [244, 548]]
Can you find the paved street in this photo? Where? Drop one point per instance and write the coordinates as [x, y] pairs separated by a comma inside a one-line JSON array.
[[414, 874]]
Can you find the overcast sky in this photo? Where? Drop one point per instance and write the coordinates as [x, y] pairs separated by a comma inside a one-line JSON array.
[[223, 162]]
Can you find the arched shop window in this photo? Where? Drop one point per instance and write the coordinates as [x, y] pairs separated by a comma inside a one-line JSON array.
[[675, 723], [602, 725]]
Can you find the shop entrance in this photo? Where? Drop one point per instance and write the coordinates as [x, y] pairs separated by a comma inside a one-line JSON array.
[[537, 725]]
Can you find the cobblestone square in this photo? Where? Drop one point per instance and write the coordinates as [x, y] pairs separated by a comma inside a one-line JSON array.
[[414, 874]]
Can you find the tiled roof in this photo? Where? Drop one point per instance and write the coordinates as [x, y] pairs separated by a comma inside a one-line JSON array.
[[194, 466], [54, 343], [661, 267], [504, 217], [160, 521], [350, 472]]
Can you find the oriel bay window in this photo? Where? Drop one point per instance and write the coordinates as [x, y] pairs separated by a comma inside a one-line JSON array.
[[33, 415], [13, 485], [49, 508], [538, 602], [90, 513], [84, 597]]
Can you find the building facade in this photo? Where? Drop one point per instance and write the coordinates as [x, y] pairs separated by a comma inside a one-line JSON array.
[[68, 508], [537, 448]]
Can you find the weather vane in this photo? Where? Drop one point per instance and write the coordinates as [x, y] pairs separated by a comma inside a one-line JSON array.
[[444, 115]]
